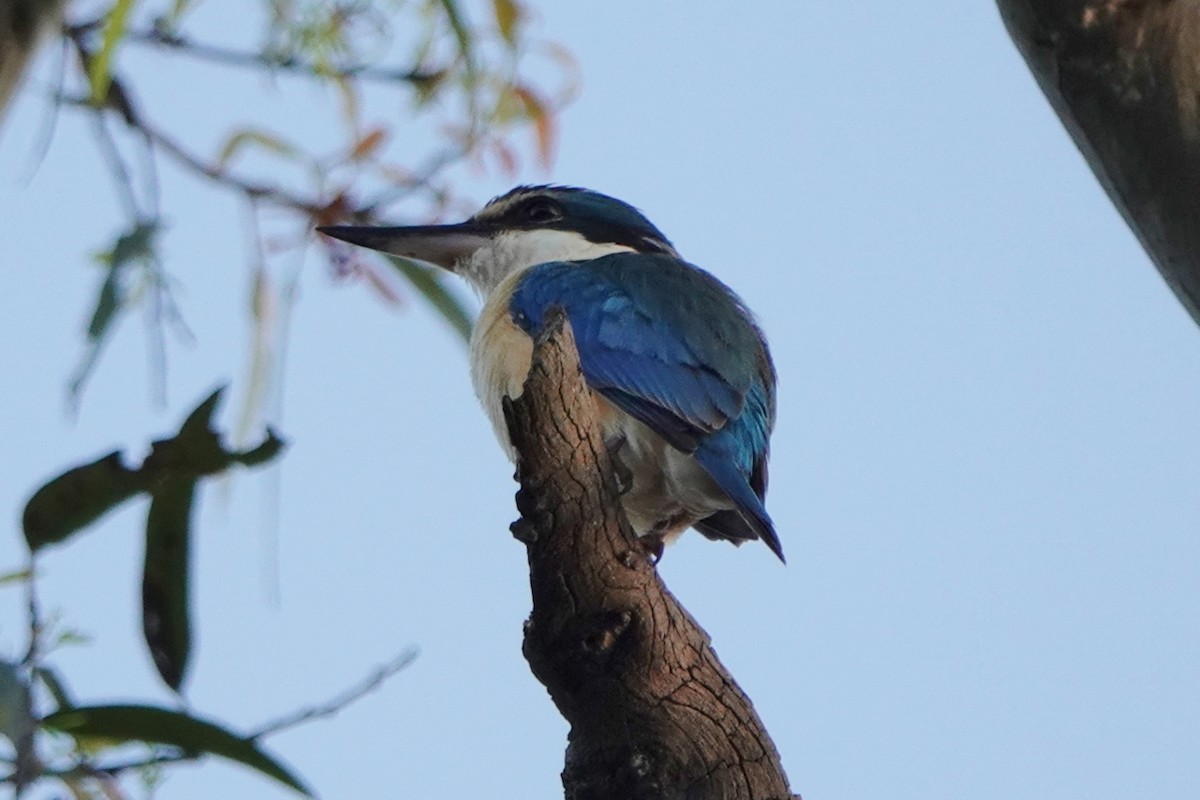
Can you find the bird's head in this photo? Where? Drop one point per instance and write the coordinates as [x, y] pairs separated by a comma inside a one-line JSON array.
[[527, 226]]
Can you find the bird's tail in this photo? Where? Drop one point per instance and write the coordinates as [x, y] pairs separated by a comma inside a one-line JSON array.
[[749, 518]]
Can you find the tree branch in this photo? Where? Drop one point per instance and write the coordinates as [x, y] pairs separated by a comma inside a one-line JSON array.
[[332, 708], [1124, 78], [285, 62], [653, 713]]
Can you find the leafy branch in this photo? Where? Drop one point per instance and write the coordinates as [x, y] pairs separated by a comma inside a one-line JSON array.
[[63, 508], [477, 80], [169, 736]]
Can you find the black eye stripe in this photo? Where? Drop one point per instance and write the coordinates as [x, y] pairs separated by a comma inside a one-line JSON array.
[[539, 210]]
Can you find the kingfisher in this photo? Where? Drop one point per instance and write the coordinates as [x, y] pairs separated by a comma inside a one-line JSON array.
[[681, 376]]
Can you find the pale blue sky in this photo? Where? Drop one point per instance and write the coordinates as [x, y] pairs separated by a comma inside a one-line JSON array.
[[986, 472]]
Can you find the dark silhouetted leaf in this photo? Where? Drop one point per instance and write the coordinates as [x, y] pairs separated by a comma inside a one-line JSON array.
[[106, 305], [196, 451], [54, 685], [200, 420], [172, 470], [270, 449], [434, 288], [134, 245], [165, 620], [169, 474], [77, 498], [138, 243], [162, 726]]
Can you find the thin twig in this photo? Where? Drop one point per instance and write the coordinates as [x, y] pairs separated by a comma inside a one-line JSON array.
[[33, 653], [89, 770], [280, 61], [167, 755], [422, 179], [332, 707], [116, 165], [256, 191]]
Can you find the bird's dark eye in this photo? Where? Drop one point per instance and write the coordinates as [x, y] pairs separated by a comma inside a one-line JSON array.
[[540, 211]]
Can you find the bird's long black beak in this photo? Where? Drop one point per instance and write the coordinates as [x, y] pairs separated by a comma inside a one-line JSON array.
[[443, 245]]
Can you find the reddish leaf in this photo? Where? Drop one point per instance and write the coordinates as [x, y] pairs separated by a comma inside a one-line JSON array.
[[543, 123], [366, 146]]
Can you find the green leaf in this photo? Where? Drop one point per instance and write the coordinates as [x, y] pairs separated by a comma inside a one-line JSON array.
[[435, 289], [100, 70], [508, 14], [239, 140], [106, 305], [16, 576], [178, 9], [462, 35], [166, 623], [136, 244], [173, 728], [77, 498]]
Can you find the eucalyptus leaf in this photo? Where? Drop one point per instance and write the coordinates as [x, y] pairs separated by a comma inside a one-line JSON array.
[[166, 622], [434, 288], [137, 723], [100, 70], [77, 498], [134, 245]]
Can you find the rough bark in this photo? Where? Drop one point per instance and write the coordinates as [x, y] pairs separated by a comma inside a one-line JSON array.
[[653, 713], [1124, 78]]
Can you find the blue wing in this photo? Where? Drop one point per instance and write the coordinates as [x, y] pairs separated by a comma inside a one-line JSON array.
[[670, 345]]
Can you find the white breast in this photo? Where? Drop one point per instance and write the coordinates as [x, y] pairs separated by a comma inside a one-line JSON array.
[[500, 357]]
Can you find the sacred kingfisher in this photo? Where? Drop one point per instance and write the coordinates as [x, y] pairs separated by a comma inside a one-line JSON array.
[[682, 379]]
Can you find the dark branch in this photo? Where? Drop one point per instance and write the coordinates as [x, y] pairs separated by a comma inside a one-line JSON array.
[[281, 61], [1124, 77], [653, 713]]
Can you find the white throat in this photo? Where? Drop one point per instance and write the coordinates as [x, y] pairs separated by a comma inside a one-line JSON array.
[[516, 251]]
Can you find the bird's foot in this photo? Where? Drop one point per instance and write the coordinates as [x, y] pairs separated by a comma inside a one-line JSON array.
[[653, 544]]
